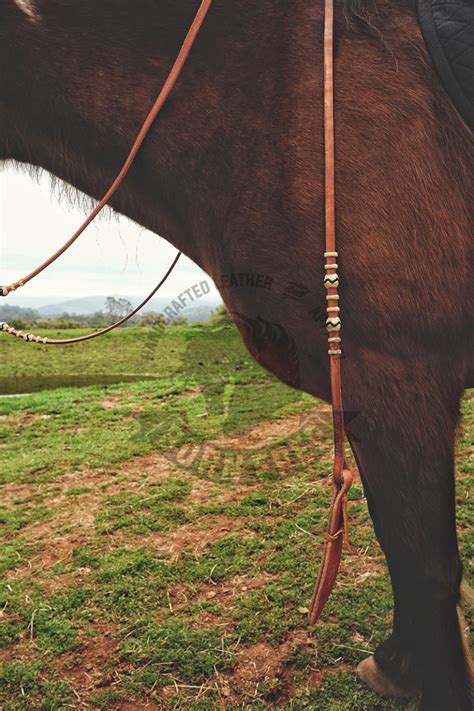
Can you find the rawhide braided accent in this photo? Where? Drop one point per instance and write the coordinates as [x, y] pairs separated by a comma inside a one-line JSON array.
[[29, 337], [333, 322]]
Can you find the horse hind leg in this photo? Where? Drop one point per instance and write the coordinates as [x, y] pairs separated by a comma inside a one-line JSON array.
[[404, 445]]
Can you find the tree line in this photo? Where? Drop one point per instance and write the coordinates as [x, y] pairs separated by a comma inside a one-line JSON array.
[[115, 309]]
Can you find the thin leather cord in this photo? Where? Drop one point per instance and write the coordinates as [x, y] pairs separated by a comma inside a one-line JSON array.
[[330, 222], [145, 129], [81, 339]]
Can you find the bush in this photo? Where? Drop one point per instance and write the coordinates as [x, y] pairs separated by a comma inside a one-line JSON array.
[[152, 318], [220, 316]]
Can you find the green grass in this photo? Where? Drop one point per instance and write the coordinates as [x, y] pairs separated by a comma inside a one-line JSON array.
[[73, 428], [33, 686], [153, 554], [162, 353]]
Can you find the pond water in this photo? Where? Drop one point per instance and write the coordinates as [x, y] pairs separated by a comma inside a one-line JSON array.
[[24, 384]]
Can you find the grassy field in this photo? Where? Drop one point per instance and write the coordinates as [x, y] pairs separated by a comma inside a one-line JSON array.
[[160, 538]]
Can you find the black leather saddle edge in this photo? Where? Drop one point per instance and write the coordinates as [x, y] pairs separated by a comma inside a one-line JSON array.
[[443, 67]]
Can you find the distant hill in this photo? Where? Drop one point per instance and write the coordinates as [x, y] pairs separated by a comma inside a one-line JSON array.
[[88, 305], [11, 313], [199, 313]]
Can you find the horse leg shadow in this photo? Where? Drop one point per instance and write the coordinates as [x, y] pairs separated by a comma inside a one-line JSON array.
[[404, 446]]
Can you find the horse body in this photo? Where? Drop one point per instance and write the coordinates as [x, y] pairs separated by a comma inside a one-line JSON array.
[[232, 174]]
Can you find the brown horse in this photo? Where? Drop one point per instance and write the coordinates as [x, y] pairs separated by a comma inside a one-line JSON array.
[[232, 174]]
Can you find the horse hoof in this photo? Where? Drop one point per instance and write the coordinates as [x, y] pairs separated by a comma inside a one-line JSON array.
[[370, 674]]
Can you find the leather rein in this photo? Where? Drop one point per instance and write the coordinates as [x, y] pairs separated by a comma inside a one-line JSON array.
[[337, 530], [168, 87]]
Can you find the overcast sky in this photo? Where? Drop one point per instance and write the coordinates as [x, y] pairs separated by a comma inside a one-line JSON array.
[[113, 257]]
